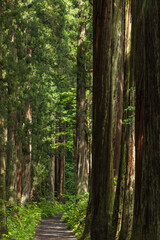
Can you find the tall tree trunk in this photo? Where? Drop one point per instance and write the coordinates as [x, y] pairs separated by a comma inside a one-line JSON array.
[[12, 123], [52, 176], [117, 78], [62, 168], [146, 69], [123, 206], [27, 157], [128, 202], [19, 168], [3, 222], [81, 117], [57, 176], [102, 167]]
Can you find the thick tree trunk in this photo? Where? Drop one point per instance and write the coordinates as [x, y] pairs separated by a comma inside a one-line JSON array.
[[117, 78], [123, 206], [81, 118], [128, 202], [102, 167], [116, 89], [146, 43]]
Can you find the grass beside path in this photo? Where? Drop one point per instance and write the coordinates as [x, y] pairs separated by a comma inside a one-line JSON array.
[[22, 219]]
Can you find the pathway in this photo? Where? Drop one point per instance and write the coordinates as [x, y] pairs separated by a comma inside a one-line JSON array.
[[53, 228]]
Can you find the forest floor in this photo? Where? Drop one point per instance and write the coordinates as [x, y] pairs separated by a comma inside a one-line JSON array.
[[53, 228]]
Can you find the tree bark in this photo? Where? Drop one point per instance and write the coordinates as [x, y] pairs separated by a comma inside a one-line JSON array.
[[53, 162], [102, 167], [62, 168], [146, 43], [117, 78], [3, 220], [81, 117], [27, 156], [124, 199], [12, 123], [129, 187]]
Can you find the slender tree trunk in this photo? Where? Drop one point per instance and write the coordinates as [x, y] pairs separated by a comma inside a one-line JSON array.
[[146, 69], [62, 168], [75, 158], [27, 157], [53, 173], [19, 168], [3, 222], [11, 131]]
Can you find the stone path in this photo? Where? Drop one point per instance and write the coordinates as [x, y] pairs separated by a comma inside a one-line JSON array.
[[53, 228]]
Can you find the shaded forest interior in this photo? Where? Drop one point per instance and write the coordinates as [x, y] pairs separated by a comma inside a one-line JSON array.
[[80, 116]]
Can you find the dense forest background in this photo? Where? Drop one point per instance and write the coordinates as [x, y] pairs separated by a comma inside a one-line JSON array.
[[79, 116]]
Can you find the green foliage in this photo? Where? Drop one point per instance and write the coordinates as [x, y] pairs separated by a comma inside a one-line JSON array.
[[49, 208], [131, 117], [22, 219], [75, 213], [70, 178], [39, 58], [115, 181]]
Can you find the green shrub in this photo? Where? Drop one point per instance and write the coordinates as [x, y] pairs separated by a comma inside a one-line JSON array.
[[75, 213], [50, 208], [22, 219]]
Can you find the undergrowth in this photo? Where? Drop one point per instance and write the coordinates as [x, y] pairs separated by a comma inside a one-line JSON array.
[[75, 213], [22, 219]]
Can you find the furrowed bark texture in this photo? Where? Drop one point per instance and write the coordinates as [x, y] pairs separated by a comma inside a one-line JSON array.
[[82, 150], [128, 203], [102, 171], [117, 78], [146, 42], [124, 200]]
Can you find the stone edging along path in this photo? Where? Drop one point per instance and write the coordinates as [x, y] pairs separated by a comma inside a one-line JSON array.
[[53, 228]]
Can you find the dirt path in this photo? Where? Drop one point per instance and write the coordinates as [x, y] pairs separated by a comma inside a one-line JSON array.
[[53, 228]]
